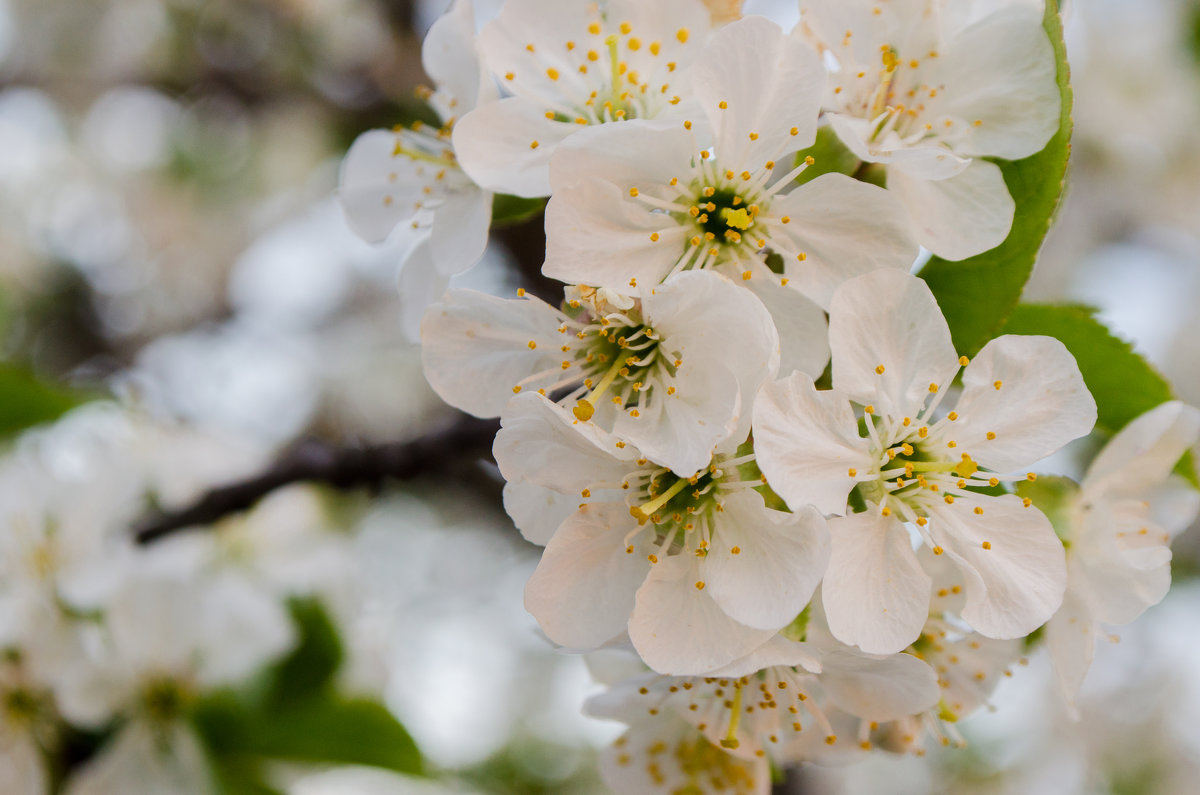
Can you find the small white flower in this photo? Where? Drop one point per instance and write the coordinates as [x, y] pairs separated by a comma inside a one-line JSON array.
[[674, 373], [1022, 399], [635, 203], [1118, 531], [570, 64], [698, 568], [929, 87], [782, 701], [395, 176]]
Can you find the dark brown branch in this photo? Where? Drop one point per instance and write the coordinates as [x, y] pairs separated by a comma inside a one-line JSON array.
[[312, 461]]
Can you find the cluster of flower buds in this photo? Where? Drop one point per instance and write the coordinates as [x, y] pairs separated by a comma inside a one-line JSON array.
[[745, 438]]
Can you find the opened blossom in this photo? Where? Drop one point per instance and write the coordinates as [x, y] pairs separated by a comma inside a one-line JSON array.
[[697, 569], [568, 65], [412, 174], [635, 203], [884, 440], [785, 702], [1118, 526], [927, 89], [674, 372]]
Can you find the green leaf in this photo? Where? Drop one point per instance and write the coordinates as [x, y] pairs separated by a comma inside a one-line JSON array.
[[512, 210], [309, 669], [977, 294], [829, 156], [327, 729], [27, 401], [1123, 383]]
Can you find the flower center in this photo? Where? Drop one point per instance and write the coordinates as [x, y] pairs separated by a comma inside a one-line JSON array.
[[624, 357]]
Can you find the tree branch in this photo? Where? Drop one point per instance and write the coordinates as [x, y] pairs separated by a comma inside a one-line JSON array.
[[344, 468]]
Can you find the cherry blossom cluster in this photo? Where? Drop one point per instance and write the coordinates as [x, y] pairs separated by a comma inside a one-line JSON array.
[[744, 436], [101, 637]]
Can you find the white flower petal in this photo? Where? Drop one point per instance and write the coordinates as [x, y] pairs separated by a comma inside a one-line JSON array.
[[583, 589], [420, 286], [1143, 454], [891, 319], [542, 442], [681, 431], [875, 593], [537, 511], [776, 651], [769, 83], [927, 161], [879, 689], [958, 217], [678, 629], [145, 758], [779, 562], [448, 56], [641, 154], [476, 348], [728, 347], [844, 228], [597, 235], [373, 202], [1071, 638], [802, 326], [1000, 71], [460, 231], [1028, 394], [505, 146], [1016, 582], [806, 443]]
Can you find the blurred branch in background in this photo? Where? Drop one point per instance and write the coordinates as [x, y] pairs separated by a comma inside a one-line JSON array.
[[454, 452]]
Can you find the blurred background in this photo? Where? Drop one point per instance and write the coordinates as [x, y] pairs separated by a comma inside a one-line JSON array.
[[169, 236]]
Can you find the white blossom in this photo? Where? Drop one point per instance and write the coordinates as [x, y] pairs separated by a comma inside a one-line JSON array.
[[674, 373], [697, 568], [928, 88], [919, 470], [1118, 528], [413, 175], [635, 203], [570, 64]]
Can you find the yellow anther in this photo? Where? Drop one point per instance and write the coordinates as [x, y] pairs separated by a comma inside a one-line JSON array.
[[879, 369], [682, 35], [801, 257], [963, 361], [952, 416], [998, 384], [534, 144], [552, 73], [938, 550], [933, 388], [699, 585], [1031, 476], [852, 472], [516, 389], [978, 510]]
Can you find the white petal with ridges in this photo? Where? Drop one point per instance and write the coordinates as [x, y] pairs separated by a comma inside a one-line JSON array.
[[779, 560], [806, 443], [960, 216], [542, 442], [678, 629], [889, 319], [879, 689], [495, 145], [1041, 403], [769, 83], [537, 511], [476, 348], [844, 228], [583, 589], [875, 593], [1016, 582]]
